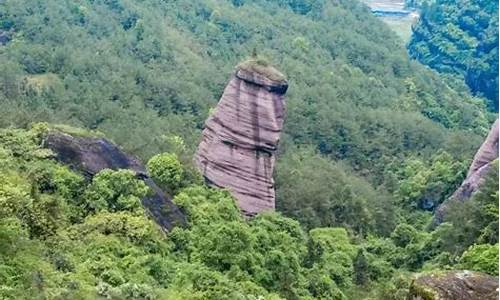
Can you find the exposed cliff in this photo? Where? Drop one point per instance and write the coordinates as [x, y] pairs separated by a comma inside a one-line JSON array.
[[455, 285], [237, 149], [90, 155], [482, 162]]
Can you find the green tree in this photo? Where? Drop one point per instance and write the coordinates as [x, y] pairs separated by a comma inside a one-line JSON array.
[[403, 235], [166, 169], [461, 38], [114, 191], [482, 258], [360, 266]]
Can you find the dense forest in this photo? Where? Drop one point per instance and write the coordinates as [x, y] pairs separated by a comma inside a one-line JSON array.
[[461, 37], [373, 143], [63, 237]]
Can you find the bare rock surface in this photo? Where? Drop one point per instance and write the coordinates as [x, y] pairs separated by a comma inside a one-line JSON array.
[[455, 285], [238, 145], [89, 155], [481, 164], [487, 153]]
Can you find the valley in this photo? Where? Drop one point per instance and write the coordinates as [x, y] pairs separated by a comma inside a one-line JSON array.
[[152, 150], [395, 15]]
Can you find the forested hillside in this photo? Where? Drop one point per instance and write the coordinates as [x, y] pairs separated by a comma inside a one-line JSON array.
[[64, 237], [461, 37], [141, 72], [373, 143]]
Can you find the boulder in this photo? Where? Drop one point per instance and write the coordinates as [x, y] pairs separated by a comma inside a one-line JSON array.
[[89, 155], [238, 145], [454, 285]]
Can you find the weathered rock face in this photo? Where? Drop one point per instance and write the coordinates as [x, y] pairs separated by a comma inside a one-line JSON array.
[[455, 285], [90, 155], [479, 168], [238, 146]]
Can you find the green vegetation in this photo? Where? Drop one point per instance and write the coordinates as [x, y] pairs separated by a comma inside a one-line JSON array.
[[75, 131], [144, 73], [64, 237], [482, 216], [482, 258], [261, 66], [461, 37], [373, 143], [166, 169]]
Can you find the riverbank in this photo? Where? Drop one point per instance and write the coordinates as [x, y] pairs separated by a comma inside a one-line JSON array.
[[395, 15]]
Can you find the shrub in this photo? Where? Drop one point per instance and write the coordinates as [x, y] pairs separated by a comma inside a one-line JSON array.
[[166, 170]]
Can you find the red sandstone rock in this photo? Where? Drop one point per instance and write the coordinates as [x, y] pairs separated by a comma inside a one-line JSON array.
[[238, 145], [482, 162], [487, 153]]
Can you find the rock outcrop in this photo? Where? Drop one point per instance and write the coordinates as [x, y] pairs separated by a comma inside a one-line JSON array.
[[487, 153], [240, 139], [455, 285], [89, 155]]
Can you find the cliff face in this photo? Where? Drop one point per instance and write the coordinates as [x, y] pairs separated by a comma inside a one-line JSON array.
[[90, 155], [455, 285], [480, 166], [238, 145]]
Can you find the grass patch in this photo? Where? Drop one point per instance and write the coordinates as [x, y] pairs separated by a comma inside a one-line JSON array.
[[262, 67], [401, 26]]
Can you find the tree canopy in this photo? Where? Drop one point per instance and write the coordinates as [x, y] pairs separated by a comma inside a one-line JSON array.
[[66, 237], [461, 37], [373, 143]]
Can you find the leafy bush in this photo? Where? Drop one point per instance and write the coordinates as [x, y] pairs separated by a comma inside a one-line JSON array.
[[114, 191], [166, 169], [483, 258]]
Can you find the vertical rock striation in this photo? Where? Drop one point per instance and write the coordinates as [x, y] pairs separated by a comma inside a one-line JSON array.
[[238, 145]]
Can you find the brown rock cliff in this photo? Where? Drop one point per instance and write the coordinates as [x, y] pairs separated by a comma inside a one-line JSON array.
[[487, 153], [238, 145]]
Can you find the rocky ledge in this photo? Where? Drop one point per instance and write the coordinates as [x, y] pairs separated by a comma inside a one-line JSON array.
[[89, 155], [240, 139], [454, 285]]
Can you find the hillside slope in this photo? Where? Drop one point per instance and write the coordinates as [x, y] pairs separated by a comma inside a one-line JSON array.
[[461, 37], [104, 64], [64, 236], [371, 138]]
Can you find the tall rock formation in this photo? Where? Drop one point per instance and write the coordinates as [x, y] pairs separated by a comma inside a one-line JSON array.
[[240, 139], [487, 153]]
